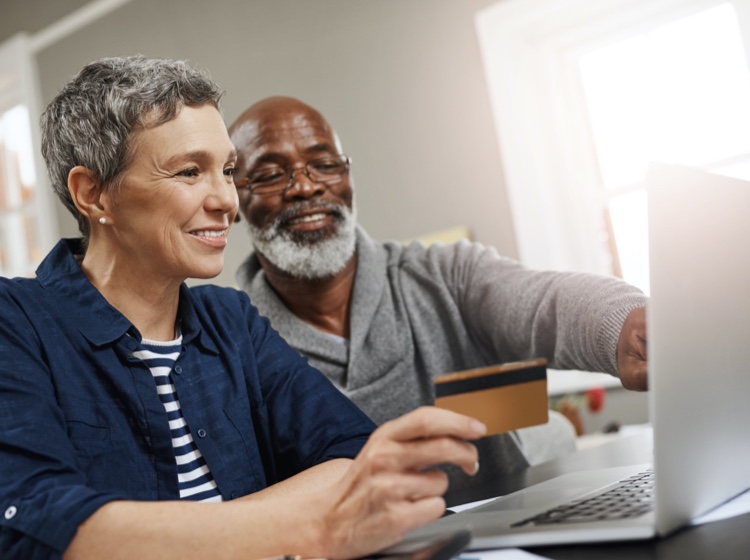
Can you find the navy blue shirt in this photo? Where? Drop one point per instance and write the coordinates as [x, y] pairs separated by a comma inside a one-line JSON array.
[[81, 423]]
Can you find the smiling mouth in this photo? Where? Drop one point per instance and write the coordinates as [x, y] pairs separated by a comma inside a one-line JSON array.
[[308, 218], [209, 233]]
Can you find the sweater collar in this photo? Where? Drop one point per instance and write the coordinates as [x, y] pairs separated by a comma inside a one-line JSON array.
[[367, 292]]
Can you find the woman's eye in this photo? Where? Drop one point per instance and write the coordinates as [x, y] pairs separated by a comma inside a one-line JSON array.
[[230, 171], [192, 172]]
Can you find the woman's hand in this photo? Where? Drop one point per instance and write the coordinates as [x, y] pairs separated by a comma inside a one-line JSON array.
[[390, 489]]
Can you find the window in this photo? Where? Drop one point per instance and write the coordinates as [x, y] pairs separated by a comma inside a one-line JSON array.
[[585, 93], [20, 249], [679, 93], [27, 227]]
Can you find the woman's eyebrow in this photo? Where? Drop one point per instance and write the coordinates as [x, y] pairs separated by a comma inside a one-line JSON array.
[[199, 155]]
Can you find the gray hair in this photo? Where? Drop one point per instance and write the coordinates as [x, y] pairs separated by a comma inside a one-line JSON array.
[[91, 120]]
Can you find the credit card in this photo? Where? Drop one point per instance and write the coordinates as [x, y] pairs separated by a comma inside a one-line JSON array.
[[505, 396]]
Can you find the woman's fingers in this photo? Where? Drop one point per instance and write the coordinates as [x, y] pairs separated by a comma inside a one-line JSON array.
[[386, 507], [428, 421], [422, 438], [410, 486], [387, 455], [389, 489]]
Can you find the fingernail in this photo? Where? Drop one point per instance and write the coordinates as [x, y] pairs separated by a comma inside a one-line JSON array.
[[478, 427], [476, 468]]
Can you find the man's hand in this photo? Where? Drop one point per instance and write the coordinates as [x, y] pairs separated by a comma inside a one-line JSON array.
[[389, 489], [631, 351]]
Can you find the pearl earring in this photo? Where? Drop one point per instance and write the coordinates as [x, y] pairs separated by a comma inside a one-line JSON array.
[[102, 220]]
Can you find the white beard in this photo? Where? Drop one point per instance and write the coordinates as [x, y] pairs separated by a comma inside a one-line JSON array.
[[311, 259]]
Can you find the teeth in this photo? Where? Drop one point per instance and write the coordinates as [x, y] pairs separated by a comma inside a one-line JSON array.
[[310, 218], [209, 233]]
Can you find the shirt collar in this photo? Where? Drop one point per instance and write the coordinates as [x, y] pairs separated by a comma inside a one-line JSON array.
[[91, 313]]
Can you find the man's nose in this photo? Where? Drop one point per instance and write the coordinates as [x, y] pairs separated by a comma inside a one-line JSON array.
[[300, 184]]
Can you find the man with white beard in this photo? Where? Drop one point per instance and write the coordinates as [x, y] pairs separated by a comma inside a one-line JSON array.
[[381, 320]]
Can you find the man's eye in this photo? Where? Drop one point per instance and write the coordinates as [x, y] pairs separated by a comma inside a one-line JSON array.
[[266, 176], [192, 172], [326, 165], [230, 171]]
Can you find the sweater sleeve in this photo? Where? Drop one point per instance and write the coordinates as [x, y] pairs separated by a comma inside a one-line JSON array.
[[571, 319]]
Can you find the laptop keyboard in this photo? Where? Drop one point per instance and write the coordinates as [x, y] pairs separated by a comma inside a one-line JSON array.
[[632, 497]]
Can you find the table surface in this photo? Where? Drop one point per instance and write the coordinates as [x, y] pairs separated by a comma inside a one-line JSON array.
[[719, 540]]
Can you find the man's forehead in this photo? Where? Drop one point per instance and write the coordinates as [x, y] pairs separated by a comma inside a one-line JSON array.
[[297, 132], [282, 128]]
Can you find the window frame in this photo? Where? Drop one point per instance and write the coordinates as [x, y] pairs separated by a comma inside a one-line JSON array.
[[19, 83], [530, 51], [18, 86]]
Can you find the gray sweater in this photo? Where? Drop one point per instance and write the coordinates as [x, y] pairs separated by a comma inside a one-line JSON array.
[[418, 312]]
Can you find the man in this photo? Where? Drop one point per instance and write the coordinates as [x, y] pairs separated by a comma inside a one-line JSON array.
[[381, 320]]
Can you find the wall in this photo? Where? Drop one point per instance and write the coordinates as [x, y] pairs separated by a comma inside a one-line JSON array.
[[401, 81]]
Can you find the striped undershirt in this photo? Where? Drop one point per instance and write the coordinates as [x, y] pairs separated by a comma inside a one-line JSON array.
[[194, 477]]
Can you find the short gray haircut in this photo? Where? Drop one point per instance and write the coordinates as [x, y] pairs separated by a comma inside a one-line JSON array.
[[90, 122]]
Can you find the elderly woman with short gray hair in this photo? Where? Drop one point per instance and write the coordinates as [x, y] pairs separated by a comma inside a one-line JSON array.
[[141, 418]]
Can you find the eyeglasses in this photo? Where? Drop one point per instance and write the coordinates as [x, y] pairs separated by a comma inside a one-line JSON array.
[[275, 178]]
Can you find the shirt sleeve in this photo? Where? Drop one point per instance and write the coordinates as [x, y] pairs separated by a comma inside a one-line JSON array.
[[311, 420], [572, 319], [43, 497]]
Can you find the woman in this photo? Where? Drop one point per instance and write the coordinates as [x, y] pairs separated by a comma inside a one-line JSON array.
[[126, 397]]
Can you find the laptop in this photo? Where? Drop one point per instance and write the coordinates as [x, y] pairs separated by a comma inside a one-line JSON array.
[[699, 377]]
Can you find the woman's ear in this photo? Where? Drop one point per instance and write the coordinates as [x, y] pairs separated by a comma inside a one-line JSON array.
[[86, 193]]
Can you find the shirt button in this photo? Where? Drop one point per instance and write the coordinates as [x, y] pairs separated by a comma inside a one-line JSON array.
[[201, 433], [235, 495], [10, 513], [177, 370]]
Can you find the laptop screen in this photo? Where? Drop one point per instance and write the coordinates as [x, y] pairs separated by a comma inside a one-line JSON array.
[[699, 339]]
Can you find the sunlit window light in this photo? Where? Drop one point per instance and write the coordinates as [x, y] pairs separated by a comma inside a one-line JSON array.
[[630, 226], [16, 134], [19, 239], [676, 94]]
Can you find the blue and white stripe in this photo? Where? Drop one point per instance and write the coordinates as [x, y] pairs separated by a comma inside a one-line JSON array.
[[193, 475]]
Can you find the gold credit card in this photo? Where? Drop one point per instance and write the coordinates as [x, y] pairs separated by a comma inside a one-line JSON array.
[[505, 397]]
